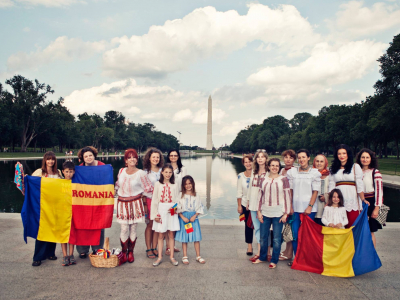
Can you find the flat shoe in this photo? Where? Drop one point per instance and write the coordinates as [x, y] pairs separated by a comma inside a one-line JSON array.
[[167, 251], [157, 263], [185, 260], [257, 261], [52, 258], [290, 263], [283, 257], [82, 255], [272, 266], [36, 263], [200, 260], [174, 262], [254, 258], [177, 250]]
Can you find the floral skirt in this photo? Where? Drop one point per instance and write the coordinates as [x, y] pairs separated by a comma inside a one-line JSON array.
[[130, 210]]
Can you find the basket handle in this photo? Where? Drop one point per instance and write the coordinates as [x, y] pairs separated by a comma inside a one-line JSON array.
[[106, 243]]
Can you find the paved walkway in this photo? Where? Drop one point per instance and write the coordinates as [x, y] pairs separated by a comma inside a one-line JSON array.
[[227, 274]]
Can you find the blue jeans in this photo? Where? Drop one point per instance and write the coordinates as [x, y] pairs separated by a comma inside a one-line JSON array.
[[256, 224], [276, 242], [295, 228]]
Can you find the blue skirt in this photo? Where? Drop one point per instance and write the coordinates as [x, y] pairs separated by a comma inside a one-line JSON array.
[[182, 236]]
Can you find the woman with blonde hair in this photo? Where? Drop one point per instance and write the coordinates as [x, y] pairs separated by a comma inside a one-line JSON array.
[[260, 172]]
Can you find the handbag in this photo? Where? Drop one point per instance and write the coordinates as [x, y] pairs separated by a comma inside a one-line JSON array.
[[287, 232]]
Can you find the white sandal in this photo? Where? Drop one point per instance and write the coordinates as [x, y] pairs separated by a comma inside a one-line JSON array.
[[200, 260], [185, 260]]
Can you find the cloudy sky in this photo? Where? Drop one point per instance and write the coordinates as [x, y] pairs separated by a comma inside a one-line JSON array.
[[158, 61]]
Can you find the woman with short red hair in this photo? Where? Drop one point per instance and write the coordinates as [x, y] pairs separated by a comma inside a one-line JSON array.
[[132, 188]]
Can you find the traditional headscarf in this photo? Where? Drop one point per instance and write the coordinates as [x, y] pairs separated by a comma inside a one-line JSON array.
[[325, 171]]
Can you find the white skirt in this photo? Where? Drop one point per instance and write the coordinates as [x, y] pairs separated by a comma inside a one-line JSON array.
[[168, 222]]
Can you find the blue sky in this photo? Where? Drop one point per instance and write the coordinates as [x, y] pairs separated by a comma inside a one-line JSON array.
[[157, 61]]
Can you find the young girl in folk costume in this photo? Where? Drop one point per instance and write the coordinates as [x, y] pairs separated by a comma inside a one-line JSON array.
[[132, 188], [189, 207], [335, 214], [165, 197]]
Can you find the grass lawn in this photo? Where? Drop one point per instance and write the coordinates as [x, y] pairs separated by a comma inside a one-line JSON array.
[[24, 154]]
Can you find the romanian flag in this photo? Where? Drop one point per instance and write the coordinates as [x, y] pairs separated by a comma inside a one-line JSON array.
[[47, 212], [242, 217], [92, 203], [336, 252]]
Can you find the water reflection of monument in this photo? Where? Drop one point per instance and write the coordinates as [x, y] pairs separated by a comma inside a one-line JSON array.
[[208, 180]]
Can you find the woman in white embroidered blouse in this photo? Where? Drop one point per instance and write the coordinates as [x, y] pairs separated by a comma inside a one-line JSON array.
[[273, 209], [373, 188], [258, 175], [321, 163], [153, 161], [243, 183], [348, 178], [165, 197], [305, 184], [180, 171], [132, 188]]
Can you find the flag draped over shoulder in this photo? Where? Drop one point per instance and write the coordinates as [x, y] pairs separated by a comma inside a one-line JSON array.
[[92, 203], [336, 252], [47, 212], [61, 211]]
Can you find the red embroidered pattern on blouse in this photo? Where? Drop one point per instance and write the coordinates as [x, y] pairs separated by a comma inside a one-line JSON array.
[[166, 196]]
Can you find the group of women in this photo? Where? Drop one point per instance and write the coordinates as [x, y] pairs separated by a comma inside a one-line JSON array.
[[134, 188], [269, 194]]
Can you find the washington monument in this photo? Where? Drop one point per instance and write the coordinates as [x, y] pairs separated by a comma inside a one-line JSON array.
[[209, 125]]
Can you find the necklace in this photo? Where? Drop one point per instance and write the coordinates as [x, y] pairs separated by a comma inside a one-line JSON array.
[[304, 169]]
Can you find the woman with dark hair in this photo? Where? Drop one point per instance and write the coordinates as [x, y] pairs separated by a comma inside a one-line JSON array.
[[88, 157], [260, 172], [305, 183], [180, 171], [46, 250], [132, 188], [373, 188], [153, 161], [348, 178], [243, 183]]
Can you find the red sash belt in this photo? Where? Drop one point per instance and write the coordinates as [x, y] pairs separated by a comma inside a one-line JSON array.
[[129, 199], [339, 183]]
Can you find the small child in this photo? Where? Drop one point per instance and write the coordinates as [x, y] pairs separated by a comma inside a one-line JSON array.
[[335, 215], [189, 207], [68, 169], [165, 197]]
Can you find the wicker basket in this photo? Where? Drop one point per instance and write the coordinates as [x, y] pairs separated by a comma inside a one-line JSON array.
[[99, 261]]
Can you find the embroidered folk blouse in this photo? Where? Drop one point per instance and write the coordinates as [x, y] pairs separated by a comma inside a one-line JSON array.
[[369, 185], [133, 184], [243, 183], [334, 215], [275, 193], [179, 176], [252, 192], [190, 203], [163, 193]]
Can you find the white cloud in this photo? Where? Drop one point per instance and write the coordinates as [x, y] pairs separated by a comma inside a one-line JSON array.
[[204, 33], [327, 66], [155, 116], [233, 128], [63, 48], [354, 19], [6, 3], [182, 115], [130, 98], [201, 116]]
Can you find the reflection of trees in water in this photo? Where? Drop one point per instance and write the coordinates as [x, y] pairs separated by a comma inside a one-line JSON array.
[[208, 180], [236, 163]]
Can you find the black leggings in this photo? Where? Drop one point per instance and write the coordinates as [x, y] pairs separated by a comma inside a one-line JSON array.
[[248, 231]]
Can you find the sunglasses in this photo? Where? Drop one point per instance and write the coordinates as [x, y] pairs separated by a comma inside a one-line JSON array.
[[261, 150], [173, 155]]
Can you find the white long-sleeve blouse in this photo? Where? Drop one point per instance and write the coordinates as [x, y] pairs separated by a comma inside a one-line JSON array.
[[303, 185], [350, 192], [163, 193], [179, 176], [334, 215], [243, 184], [369, 185], [129, 185], [190, 203], [252, 192]]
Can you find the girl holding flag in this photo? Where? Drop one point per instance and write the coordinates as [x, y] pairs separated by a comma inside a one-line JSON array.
[[163, 212], [189, 207]]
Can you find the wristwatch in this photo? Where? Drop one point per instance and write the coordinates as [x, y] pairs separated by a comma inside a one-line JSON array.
[[310, 205]]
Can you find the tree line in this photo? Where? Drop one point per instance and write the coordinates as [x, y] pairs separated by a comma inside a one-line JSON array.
[[373, 123], [28, 119]]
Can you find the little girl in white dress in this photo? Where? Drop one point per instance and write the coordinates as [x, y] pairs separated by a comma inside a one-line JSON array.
[[335, 215]]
